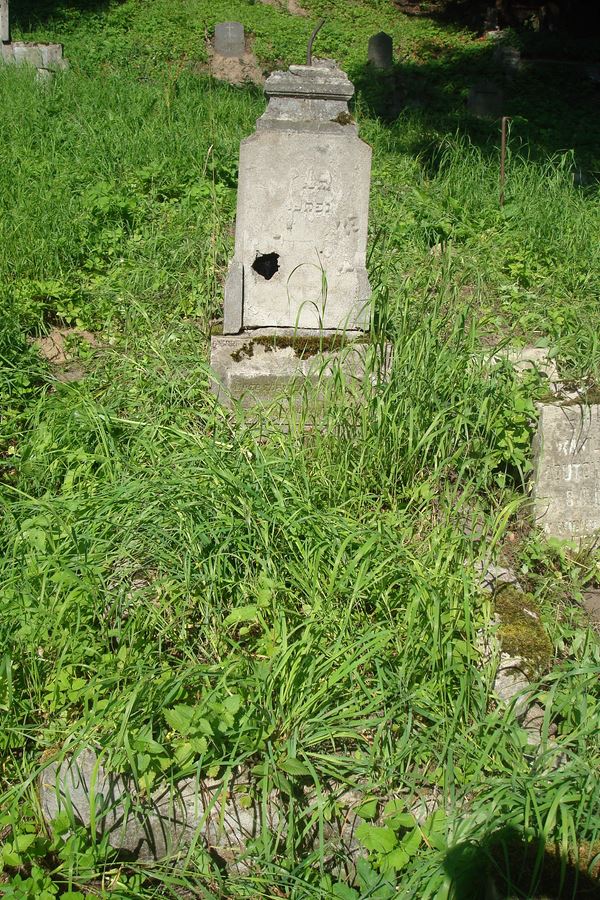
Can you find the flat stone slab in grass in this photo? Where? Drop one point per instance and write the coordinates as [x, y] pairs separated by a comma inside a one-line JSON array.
[[567, 470], [528, 359], [222, 814]]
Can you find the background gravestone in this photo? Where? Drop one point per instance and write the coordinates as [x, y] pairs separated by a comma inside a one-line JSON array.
[[508, 59], [381, 51], [46, 58], [567, 470], [4, 22], [485, 100], [230, 39]]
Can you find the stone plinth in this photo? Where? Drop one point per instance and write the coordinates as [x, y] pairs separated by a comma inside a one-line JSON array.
[[567, 470], [258, 367], [302, 211], [46, 58]]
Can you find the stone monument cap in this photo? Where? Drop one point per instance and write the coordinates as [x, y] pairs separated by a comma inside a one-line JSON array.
[[322, 81], [308, 98]]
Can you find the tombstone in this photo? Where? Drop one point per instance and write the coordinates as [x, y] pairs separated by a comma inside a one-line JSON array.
[[485, 100], [381, 51], [299, 268], [230, 39], [508, 59], [491, 21], [4, 22], [567, 470]]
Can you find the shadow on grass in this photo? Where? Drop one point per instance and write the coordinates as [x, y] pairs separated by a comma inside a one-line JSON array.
[[29, 14], [554, 106], [577, 17], [506, 866]]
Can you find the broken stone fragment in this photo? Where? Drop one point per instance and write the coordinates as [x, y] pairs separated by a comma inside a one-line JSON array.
[[224, 814]]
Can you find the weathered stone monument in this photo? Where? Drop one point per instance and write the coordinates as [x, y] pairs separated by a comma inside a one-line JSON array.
[[45, 58], [381, 51], [298, 282], [567, 470], [230, 40]]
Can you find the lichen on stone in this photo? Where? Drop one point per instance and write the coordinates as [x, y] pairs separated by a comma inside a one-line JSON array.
[[522, 634], [343, 118]]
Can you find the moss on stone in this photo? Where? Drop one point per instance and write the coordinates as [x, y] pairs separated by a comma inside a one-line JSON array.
[[304, 346], [521, 632], [246, 350], [343, 118]]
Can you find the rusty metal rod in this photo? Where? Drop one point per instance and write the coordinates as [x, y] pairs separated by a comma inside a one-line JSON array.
[[505, 120], [318, 27]]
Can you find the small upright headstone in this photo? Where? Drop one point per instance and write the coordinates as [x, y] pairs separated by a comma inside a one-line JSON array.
[[229, 39], [485, 100], [4, 22], [567, 470], [381, 51], [490, 23], [508, 59]]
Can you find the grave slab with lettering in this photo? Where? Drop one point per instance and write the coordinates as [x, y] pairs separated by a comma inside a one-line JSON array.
[[302, 210], [567, 470]]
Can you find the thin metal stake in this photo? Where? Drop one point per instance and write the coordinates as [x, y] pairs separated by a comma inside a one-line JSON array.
[[505, 119], [320, 24]]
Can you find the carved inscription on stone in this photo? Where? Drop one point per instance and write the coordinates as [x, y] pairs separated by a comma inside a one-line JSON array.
[[311, 196], [567, 470]]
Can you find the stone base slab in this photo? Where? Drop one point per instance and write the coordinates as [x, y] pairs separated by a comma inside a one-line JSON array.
[[46, 58], [261, 366]]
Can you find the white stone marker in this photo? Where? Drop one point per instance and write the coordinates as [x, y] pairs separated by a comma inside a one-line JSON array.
[[230, 40], [567, 470], [302, 210]]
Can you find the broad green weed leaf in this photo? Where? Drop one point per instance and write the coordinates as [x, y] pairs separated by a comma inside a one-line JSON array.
[[344, 892], [376, 838], [368, 808], [293, 766], [395, 815], [241, 614], [395, 860], [10, 857], [412, 841]]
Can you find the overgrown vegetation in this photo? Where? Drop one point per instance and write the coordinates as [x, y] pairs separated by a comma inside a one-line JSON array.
[[190, 590]]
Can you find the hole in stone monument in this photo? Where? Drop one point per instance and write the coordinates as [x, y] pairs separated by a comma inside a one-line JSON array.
[[266, 264]]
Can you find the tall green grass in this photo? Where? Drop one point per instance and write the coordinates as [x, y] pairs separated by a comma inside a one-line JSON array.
[[158, 549]]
